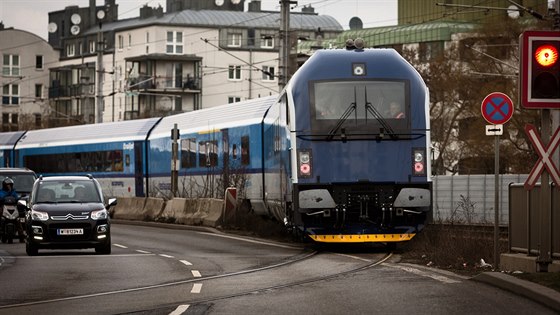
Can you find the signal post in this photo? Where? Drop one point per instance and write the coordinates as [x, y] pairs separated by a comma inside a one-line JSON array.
[[540, 89]]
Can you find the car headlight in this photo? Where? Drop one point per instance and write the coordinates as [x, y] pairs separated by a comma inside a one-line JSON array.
[[99, 214], [39, 216]]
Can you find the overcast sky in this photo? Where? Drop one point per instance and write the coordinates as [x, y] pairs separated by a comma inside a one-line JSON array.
[[32, 15]]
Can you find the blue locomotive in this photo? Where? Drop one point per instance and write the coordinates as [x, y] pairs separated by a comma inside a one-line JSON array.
[[341, 155], [359, 137]]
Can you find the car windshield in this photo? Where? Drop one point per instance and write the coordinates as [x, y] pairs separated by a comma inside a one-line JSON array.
[[67, 191]]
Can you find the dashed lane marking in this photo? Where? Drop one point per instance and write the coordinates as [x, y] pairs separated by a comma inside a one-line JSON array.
[[119, 245], [143, 251], [186, 262], [196, 288], [196, 273], [180, 310], [166, 256]]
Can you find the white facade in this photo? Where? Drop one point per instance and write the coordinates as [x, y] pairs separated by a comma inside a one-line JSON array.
[[26, 59]]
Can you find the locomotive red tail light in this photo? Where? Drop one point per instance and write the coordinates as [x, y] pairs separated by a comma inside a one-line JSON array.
[[418, 162], [304, 163]]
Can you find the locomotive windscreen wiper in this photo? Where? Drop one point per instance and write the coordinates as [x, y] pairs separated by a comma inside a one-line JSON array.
[[343, 118], [375, 113]]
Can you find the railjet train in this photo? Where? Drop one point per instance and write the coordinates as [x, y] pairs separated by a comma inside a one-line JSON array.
[[341, 155]]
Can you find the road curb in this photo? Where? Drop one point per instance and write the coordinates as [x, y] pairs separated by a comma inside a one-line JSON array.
[[530, 290]]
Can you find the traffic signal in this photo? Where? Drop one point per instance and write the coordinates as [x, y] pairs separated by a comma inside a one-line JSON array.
[[540, 69]]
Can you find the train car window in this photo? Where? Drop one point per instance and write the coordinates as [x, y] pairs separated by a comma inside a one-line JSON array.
[[360, 105], [188, 153], [245, 154], [234, 151], [99, 161], [208, 153]]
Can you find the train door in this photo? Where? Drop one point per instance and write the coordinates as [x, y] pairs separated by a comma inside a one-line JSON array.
[[138, 169]]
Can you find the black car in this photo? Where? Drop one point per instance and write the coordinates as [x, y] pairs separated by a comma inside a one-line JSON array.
[[23, 179], [68, 212]]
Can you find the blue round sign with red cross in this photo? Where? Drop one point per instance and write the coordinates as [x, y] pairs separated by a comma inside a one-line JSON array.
[[497, 108]]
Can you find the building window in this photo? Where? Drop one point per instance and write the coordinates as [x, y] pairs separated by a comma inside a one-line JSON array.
[[234, 40], [147, 37], [39, 62], [10, 65], [129, 41], [430, 50], [10, 94], [233, 99], [267, 73], [174, 42], [267, 41], [38, 90], [120, 42], [38, 120], [234, 73], [70, 50], [92, 46]]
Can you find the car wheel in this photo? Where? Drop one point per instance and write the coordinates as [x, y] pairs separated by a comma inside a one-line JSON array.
[[31, 249], [104, 249]]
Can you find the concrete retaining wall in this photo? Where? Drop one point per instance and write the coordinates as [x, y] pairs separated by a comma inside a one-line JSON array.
[[206, 212]]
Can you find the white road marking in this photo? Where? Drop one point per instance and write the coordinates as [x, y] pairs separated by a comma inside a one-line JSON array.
[[421, 273], [250, 241], [119, 245], [166, 256], [180, 310], [143, 251], [353, 257], [196, 273], [186, 262], [196, 288]]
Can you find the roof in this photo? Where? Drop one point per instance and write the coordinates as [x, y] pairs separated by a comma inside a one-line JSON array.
[[214, 118], [9, 139], [221, 19], [130, 130], [398, 34]]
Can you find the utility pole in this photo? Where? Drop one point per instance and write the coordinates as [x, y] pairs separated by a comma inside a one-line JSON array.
[[100, 69], [285, 42], [100, 73]]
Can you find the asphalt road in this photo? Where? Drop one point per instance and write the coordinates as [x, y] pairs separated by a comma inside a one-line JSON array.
[[156, 270]]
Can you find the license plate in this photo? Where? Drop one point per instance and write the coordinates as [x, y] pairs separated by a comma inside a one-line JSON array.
[[70, 231]]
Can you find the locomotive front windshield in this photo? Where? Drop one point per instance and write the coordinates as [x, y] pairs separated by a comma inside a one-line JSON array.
[[360, 106]]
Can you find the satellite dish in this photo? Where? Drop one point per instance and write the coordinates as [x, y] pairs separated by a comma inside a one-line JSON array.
[[76, 18], [100, 14], [75, 30], [52, 27], [513, 11], [356, 23]]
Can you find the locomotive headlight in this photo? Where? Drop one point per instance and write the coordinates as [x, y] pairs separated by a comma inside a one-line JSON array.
[[418, 157], [304, 157]]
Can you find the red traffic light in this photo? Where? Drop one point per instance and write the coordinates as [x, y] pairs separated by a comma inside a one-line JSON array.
[[539, 75], [546, 55]]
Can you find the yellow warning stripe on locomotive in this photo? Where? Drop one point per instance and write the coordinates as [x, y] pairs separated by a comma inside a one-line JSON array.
[[362, 238]]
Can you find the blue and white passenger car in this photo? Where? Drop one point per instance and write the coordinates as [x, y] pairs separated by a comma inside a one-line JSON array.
[[114, 153]]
